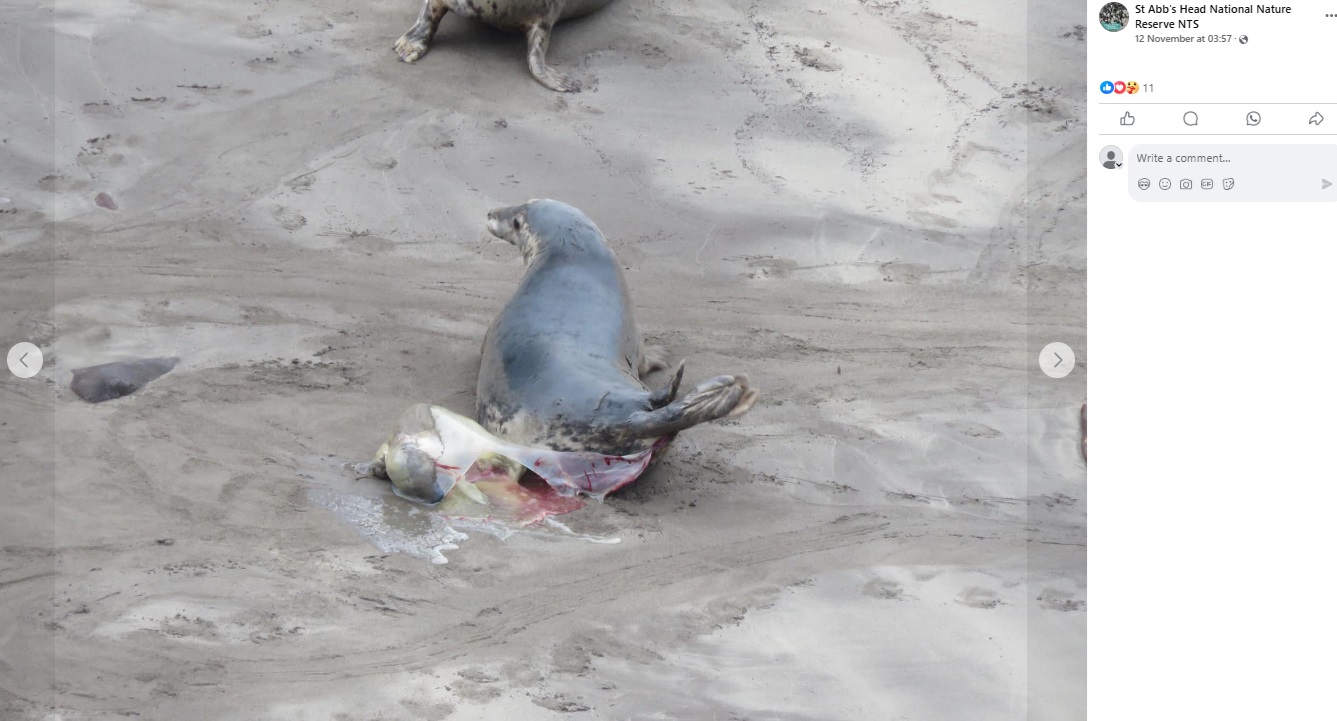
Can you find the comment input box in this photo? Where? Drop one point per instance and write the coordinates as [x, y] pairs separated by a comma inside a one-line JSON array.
[[1226, 173]]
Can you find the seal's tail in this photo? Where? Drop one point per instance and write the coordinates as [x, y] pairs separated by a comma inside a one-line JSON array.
[[722, 397]]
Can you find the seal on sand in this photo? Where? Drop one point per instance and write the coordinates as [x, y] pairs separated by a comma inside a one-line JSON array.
[[533, 17], [109, 381], [562, 361]]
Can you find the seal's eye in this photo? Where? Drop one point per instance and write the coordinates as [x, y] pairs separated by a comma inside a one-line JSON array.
[[515, 223]]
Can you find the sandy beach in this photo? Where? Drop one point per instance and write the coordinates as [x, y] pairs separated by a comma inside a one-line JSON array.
[[874, 208]]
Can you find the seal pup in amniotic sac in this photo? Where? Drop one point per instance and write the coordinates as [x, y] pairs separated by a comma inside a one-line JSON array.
[[534, 18], [562, 361]]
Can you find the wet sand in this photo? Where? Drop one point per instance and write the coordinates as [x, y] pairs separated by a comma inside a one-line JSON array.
[[875, 209]]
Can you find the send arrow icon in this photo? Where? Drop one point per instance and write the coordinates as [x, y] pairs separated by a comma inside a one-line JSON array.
[[1327, 183]]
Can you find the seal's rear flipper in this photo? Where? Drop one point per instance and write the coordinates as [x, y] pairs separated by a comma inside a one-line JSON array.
[[722, 397], [665, 395]]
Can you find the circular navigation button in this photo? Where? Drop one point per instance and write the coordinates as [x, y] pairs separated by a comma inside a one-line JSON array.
[[25, 360], [1057, 360]]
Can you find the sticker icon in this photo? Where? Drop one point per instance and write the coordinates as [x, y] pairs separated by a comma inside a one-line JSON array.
[[1119, 87], [1144, 184], [1107, 87], [1133, 87], [1228, 183]]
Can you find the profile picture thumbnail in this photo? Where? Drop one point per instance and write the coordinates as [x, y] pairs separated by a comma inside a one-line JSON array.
[[1114, 17], [1111, 157]]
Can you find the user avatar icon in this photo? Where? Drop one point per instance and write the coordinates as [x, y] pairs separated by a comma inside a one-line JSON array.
[[1114, 17], [1186, 184], [1111, 157], [1144, 184], [1165, 183]]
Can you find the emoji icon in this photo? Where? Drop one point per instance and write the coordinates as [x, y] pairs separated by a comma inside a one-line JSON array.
[[1119, 87], [1206, 184], [1107, 87], [1165, 183], [1133, 87], [1127, 119], [1186, 184], [1144, 184], [1228, 183], [1190, 118], [1253, 118]]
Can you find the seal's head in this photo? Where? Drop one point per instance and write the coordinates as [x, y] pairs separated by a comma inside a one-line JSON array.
[[541, 225], [412, 468]]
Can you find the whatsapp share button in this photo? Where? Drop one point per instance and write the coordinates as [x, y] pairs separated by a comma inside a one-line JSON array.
[[1224, 173]]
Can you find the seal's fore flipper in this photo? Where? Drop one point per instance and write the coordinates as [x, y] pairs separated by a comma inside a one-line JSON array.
[[537, 34], [665, 395], [414, 43], [722, 397]]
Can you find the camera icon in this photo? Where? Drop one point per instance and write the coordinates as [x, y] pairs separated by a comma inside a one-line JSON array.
[[1186, 184]]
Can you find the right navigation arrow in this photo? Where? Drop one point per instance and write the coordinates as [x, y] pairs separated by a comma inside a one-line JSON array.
[[1327, 183]]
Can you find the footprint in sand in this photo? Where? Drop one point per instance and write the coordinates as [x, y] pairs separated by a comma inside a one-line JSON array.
[[977, 597], [885, 590], [1054, 600]]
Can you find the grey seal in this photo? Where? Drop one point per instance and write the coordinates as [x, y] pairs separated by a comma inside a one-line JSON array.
[[109, 381], [535, 18], [562, 362]]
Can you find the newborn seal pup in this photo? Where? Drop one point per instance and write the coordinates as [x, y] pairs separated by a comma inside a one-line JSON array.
[[562, 361], [534, 17]]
